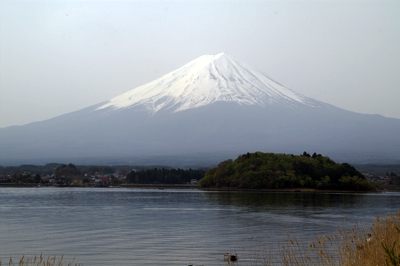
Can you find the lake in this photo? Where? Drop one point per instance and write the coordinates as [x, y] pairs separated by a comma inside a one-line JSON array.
[[121, 226]]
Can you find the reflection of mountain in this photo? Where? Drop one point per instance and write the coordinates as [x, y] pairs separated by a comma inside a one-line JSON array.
[[214, 104]]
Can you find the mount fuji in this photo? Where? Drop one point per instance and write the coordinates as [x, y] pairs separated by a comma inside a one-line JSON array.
[[213, 107], [206, 80]]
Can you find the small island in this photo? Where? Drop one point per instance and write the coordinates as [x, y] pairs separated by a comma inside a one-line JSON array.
[[285, 171]]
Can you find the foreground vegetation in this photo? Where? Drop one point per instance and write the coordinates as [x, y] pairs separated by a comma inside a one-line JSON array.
[[276, 171], [42, 261], [377, 245]]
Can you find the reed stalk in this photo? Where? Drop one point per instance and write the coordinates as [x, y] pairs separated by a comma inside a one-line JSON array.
[[42, 261]]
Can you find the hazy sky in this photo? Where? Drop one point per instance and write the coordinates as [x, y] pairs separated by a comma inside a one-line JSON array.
[[61, 56]]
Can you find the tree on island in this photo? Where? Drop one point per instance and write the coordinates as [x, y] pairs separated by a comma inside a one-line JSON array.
[[276, 171]]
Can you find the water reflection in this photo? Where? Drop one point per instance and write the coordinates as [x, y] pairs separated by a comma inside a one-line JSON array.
[[264, 201]]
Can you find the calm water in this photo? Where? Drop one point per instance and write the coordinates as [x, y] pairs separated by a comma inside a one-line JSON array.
[[112, 226]]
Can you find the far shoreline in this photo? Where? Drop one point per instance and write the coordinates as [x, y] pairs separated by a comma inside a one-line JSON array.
[[198, 187]]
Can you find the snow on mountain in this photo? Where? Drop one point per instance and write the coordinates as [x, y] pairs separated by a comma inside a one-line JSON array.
[[209, 79]]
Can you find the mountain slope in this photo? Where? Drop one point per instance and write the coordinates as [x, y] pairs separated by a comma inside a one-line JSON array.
[[213, 105]]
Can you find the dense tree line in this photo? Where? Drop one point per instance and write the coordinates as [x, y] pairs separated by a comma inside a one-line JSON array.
[[50, 168], [30, 169], [26, 178], [64, 174], [164, 176], [273, 171], [67, 170]]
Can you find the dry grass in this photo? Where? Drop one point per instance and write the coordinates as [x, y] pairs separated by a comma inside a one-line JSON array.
[[41, 261], [377, 245]]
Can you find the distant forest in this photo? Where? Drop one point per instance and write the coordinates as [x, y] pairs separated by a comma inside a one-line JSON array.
[[144, 176], [66, 174], [275, 171], [50, 168], [164, 176]]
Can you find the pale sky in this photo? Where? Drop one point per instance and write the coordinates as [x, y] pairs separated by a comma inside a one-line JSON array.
[[61, 56]]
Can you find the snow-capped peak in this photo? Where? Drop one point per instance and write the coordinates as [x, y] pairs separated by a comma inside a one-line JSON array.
[[205, 80]]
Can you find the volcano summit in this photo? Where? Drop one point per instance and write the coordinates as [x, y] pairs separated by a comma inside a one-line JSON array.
[[215, 104], [206, 80]]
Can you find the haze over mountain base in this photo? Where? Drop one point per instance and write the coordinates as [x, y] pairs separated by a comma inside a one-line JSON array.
[[214, 131]]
